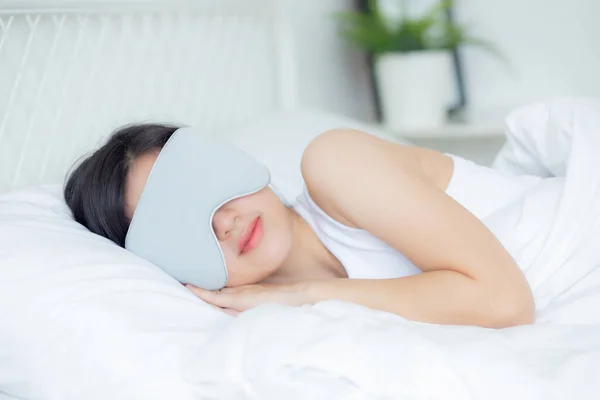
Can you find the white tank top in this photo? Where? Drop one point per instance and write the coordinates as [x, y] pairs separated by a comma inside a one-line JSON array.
[[480, 190]]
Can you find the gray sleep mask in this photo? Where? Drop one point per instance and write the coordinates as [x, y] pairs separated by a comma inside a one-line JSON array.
[[193, 176]]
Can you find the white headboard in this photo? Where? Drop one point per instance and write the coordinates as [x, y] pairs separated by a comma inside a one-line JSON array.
[[72, 71]]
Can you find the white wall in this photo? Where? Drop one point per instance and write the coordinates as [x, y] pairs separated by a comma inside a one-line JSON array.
[[552, 45], [331, 74]]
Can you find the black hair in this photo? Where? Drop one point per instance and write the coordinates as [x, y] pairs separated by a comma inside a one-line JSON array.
[[94, 191]]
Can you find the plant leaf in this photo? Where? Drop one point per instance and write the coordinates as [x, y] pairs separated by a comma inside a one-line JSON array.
[[364, 31], [371, 31]]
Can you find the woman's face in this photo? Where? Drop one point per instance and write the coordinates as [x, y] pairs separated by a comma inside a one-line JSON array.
[[254, 231]]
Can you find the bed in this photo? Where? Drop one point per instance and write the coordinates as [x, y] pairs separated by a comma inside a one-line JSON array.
[[211, 64], [84, 319]]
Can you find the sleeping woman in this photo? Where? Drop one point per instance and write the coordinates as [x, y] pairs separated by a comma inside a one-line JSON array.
[[392, 227]]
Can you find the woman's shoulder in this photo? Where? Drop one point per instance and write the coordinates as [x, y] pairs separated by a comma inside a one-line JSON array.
[[338, 163], [322, 164], [330, 151]]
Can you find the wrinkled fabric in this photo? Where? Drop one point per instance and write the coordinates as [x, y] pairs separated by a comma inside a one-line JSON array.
[[337, 350]]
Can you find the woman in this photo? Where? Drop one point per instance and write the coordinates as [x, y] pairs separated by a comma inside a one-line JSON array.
[[394, 218]]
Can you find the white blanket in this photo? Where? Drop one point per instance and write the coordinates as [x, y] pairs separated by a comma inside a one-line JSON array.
[[336, 350]]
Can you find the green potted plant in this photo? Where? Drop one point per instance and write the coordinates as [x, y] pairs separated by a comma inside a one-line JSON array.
[[412, 57]]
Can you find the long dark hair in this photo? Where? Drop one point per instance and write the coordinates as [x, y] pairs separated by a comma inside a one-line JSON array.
[[94, 191]]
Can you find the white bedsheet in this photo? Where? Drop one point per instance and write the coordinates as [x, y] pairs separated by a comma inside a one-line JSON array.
[[336, 350]]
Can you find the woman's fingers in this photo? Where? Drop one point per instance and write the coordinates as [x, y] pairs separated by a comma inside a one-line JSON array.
[[220, 299], [231, 311]]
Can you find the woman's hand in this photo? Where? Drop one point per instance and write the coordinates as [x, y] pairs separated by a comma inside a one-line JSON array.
[[238, 299]]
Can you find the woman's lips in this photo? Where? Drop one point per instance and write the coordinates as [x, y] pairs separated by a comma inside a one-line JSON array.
[[251, 236]]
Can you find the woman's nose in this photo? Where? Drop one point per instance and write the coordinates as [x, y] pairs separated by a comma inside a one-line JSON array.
[[224, 222]]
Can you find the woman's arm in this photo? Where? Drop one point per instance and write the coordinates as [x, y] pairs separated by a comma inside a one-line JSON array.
[[385, 188]]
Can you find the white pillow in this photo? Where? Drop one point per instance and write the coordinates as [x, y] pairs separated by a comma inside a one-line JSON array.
[[84, 319], [278, 140], [81, 318]]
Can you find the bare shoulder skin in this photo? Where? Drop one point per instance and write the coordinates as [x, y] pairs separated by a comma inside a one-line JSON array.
[[397, 193]]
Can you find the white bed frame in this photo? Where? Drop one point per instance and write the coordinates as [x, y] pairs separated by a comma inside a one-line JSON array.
[[72, 71]]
